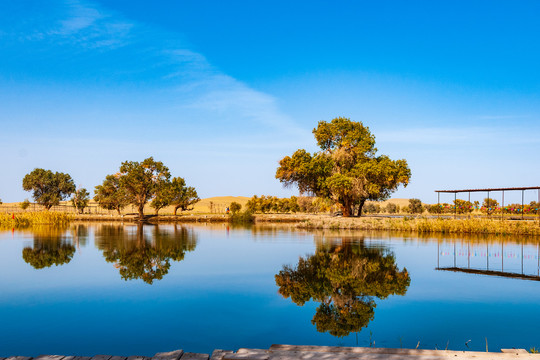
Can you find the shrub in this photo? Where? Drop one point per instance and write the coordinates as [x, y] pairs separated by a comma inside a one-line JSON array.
[[25, 204], [391, 208], [244, 217], [415, 206], [235, 207]]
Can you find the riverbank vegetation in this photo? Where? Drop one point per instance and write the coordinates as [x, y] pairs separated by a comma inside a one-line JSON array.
[[28, 219], [427, 225]]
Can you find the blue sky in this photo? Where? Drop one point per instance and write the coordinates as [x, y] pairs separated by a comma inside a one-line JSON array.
[[220, 91]]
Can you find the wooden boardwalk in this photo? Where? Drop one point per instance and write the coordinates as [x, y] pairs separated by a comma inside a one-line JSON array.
[[292, 352]]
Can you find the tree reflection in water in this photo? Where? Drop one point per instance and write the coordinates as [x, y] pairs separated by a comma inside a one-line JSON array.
[[144, 252], [345, 278], [51, 246]]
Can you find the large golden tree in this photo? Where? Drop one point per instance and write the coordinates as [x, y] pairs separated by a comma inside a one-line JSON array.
[[347, 169]]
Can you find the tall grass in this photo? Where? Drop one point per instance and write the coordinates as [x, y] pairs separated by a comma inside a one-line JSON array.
[[244, 217], [429, 225], [27, 219]]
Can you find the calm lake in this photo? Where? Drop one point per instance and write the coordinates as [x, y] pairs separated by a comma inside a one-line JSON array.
[[117, 289]]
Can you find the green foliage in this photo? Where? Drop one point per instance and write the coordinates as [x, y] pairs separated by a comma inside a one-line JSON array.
[[489, 206], [372, 208], [435, 209], [534, 207], [50, 248], [235, 207], [463, 206], [176, 193], [273, 204], [140, 181], [183, 197], [110, 195], [244, 217], [346, 169], [392, 208], [141, 254], [48, 188], [25, 204], [163, 196], [345, 279], [80, 199], [415, 206]]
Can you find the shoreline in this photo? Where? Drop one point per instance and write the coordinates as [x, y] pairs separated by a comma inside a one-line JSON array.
[[432, 224], [306, 352]]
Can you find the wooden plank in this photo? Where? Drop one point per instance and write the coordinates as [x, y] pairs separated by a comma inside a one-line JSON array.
[[115, 358], [137, 357], [82, 358], [18, 358], [69, 358], [194, 356], [49, 357], [171, 355], [404, 352], [515, 351], [247, 356], [218, 354], [252, 351], [101, 357]]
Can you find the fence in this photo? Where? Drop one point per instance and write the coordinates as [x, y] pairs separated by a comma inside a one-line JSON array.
[[90, 209]]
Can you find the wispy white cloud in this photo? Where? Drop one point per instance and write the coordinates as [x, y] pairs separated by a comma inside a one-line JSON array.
[[462, 135], [80, 17], [502, 117], [86, 25], [185, 76]]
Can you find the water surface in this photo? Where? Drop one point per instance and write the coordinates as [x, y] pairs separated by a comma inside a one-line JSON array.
[[126, 289]]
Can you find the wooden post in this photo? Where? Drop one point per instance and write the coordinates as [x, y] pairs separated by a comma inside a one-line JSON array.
[[502, 207]]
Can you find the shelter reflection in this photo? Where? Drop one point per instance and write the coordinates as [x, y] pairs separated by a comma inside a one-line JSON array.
[[511, 259], [345, 277], [144, 251]]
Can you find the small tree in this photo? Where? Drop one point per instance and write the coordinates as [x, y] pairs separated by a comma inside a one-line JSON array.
[[391, 208], [435, 209], [183, 197], [80, 199], [235, 207], [140, 181], [110, 195], [25, 204], [463, 206], [293, 204], [533, 206], [489, 206], [163, 197], [415, 206], [370, 208], [48, 188]]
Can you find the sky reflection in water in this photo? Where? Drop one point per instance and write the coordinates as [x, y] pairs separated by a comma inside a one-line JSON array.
[[128, 289]]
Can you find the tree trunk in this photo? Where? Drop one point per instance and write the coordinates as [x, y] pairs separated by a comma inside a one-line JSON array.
[[118, 210], [141, 211], [346, 208], [360, 206], [176, 209], [157, 210]]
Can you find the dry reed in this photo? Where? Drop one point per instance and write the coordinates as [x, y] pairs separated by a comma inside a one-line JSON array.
[[27, 219]]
